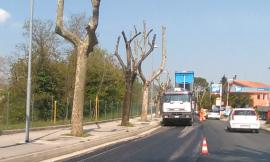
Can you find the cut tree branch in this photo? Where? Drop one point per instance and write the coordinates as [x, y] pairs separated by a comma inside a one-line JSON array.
[[117, 54], [149, 51], [157, 73], [94, 20], [60, 29], [92, 26]]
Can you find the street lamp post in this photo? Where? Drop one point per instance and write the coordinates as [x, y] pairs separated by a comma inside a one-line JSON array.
[[28, 96]]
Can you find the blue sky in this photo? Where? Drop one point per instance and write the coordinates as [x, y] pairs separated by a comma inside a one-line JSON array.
[[210, 37]]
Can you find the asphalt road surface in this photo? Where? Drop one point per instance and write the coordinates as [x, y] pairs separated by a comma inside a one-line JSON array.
[[180, 143]]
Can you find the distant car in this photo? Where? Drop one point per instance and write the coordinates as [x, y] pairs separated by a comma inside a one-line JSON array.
[[243, 119], [213, 114]]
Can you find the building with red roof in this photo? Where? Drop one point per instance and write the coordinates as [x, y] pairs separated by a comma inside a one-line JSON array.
[[259, 92]]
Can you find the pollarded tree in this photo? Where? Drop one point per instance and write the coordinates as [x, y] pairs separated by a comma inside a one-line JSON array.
[[161, 88], [147, 82], [84, 46], [130, 70]]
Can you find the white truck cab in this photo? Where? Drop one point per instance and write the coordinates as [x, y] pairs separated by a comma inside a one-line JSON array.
[[177, 107]]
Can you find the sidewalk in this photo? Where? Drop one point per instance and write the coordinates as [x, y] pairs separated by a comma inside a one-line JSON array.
[[46, 144], [265, 126]]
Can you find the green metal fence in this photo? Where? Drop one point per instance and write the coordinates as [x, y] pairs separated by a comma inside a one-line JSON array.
[[60, 113]]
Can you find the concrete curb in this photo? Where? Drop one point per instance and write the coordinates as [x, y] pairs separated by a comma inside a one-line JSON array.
[[59, 151]]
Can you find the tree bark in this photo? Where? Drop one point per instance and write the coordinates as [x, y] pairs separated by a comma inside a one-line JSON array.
[[145, 103], [130, 72], [79, 89], [127, 102], [158, 107]]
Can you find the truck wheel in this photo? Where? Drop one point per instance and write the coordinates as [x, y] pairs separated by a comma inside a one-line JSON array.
[[228, 129], [163, 123], [190, 123]]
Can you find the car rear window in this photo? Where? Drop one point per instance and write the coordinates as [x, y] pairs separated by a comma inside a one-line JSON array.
[[245, 112]]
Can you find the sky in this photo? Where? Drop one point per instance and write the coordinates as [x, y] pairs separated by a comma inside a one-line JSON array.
[[210, 37]]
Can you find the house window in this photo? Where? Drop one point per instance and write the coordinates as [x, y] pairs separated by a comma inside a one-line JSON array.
[[258, 96]]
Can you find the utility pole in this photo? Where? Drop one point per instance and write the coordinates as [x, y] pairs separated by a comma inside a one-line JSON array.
[[228, 88], [28, 98]]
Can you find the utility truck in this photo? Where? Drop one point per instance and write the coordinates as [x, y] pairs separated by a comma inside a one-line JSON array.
[[177, 104]]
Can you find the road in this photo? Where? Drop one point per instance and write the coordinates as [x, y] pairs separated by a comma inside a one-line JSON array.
[[179, 143]]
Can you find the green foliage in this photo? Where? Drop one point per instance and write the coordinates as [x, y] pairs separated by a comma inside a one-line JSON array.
[[202, 92], [240, 100], [200, 82], [53, 72], [206, 101], [104, 78]]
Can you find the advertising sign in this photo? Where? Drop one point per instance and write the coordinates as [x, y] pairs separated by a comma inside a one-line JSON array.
[[241, 89], [216, 88]]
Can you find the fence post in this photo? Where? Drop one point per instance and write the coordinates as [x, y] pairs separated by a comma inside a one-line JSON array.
[[96, 109], [90, 109], [117, 109], [7, 119], [105, 107], [137, 109], [52, 110], [113, 110], [55, 109], [67, 108]]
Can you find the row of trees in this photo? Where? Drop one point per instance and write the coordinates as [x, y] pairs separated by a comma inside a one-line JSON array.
[[96, 74], [84, 46], [53, 76]]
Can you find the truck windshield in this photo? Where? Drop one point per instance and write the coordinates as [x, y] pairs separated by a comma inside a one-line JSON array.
[[176, 97]]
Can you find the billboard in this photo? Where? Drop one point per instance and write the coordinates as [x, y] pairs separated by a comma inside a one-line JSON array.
[[216, 88]]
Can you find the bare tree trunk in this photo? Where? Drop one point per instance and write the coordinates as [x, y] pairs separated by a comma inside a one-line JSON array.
[[84, 46], [158, 108], [130, 70], [145, 103], [155, 74], [79, 89], [127, 103]]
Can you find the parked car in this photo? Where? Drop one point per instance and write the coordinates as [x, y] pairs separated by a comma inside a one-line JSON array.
[[213, 114], [243, 119]]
